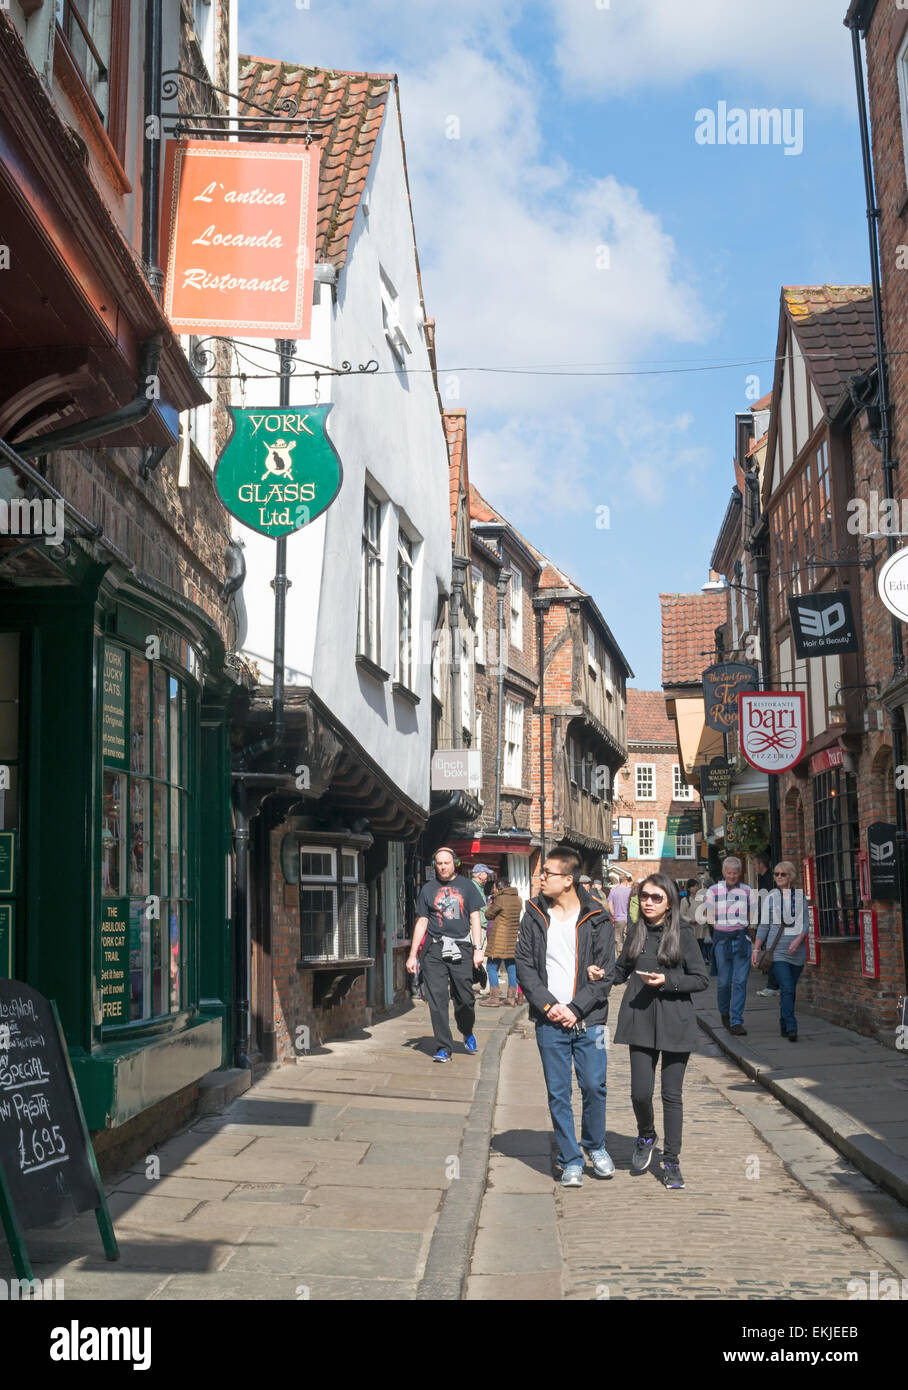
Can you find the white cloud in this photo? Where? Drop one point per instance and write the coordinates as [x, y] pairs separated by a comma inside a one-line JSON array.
[[791, 50]]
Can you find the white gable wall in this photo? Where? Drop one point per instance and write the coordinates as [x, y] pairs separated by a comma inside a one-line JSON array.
[[387, 429]]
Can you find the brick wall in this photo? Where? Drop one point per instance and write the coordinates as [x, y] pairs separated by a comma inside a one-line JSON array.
[[176, 535], [293, 987], [626, 804]]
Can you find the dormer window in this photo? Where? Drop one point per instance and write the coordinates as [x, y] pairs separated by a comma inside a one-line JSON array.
[[390, 313]]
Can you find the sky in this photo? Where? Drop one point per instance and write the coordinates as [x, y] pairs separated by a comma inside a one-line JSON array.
[[577, 212]]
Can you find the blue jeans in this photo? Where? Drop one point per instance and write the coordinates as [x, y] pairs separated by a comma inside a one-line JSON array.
[[787, 976], [731, 952], [492, 969], [563, 1051]]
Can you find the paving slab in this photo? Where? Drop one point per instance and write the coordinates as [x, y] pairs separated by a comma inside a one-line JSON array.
[[360, 1254], [202, 1189], [259, 1285], [514, 1210], [514, 1288], [537, 1248], [399, 1176]]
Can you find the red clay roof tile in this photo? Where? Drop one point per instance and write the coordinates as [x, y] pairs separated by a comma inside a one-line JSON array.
[[355, 103], [689, 622]]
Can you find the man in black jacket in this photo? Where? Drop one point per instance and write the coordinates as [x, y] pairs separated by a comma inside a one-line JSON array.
[[562, 932]]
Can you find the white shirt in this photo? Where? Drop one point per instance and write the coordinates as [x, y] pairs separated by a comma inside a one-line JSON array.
[[561, 956]]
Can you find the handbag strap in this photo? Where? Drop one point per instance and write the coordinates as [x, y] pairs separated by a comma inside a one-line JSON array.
[[770, 948]]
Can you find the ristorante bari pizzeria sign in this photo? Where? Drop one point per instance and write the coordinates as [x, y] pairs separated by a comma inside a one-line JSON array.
[[772, 728], [239, 230], [278, 470]]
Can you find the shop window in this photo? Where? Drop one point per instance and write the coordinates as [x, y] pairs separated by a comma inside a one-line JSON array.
[[836, 844], [145, 833], [332, 906]]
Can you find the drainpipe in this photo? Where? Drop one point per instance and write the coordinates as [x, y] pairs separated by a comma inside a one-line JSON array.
[[153, 142], [541, 605], [501, 587], [885, 440], [455, 607]]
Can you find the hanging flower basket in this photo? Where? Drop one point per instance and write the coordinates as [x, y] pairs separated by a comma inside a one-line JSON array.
[[746, 832]]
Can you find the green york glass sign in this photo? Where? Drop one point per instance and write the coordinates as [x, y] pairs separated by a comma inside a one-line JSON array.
[[279, 470]]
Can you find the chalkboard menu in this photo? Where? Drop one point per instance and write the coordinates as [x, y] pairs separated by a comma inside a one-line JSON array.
[[7, 922], [47, 1166], [7, 861]]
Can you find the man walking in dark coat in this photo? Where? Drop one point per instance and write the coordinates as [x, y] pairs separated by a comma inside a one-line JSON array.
[[564, 931]]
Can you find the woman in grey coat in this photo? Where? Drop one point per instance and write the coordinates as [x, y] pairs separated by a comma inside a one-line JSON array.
[[783, 930], [663, 965]]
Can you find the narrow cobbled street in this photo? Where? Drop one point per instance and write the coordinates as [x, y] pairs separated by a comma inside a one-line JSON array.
[[770, 1210]]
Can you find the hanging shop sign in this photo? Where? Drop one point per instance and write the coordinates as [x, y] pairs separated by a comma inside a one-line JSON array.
[[721, 686], [810, 885], [688, 823], [715, 779], [773, 728], [870, 944], [278, 470], [892, 584], [813, 936], [239, 232], [882, 861], [456, 769], [822, 623]]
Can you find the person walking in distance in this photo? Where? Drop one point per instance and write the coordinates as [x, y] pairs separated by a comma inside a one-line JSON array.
[[729, 906], [562, 932], [482, 878], [766, 884], [664, 966], [783, 930], [503, 914], [618, 900], [447, 915]]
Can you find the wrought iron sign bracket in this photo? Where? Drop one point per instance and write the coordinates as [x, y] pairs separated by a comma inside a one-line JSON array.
[[210, 124], [203, 359]]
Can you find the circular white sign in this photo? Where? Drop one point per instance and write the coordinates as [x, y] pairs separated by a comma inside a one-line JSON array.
[[892, 584]]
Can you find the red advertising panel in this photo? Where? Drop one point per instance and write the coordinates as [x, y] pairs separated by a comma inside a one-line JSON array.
[[772, 728], [813, 939], [870, 944], [238, 227]]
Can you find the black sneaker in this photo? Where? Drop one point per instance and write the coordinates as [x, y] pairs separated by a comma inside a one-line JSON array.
[[643, 1154], [726, 1019], [671, 1173], [738, 1030]]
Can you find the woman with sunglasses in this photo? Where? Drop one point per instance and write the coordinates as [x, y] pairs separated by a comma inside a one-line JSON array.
[[783, 919], [663, 966]]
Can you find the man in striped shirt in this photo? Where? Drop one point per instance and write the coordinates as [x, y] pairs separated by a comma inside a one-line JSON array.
[[729, 907]]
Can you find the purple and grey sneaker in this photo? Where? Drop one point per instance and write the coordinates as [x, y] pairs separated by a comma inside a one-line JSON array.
[[643, 1154]]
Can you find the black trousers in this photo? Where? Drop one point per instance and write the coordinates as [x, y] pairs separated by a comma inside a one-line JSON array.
[[444, 979], [643, 1081]]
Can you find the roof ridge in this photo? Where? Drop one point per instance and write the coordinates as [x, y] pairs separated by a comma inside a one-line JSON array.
[[314, 67]]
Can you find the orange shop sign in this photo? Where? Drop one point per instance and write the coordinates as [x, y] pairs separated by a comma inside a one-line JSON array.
[[239, 232]]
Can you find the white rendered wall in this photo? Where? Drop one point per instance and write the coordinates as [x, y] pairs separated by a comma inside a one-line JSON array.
[[388, 427]]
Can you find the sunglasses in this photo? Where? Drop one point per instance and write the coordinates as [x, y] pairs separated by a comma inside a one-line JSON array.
[[653, 898], [783, 874]]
